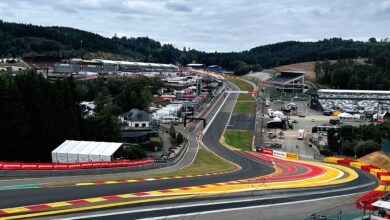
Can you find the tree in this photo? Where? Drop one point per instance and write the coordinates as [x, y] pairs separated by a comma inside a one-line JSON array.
[[172, 132], [179, 139], [366, 147], [146, 96]]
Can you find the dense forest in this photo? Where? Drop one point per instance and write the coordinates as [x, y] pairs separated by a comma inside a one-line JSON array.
[[37, 114], [26, 39], [359, 141], [349, 74]]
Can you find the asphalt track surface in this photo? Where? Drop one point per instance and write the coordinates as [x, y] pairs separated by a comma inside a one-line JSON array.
[[249, 168]]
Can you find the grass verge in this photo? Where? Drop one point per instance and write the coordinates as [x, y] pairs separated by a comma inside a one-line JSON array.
[[245, 107], [241, 84], [205, 162], [240, 139]]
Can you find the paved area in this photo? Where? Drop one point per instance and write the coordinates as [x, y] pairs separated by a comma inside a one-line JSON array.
[[290, 141], [241, 122]]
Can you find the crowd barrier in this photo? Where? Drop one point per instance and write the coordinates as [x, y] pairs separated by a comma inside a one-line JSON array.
[[282, 154], [73, 166], [381, 174]]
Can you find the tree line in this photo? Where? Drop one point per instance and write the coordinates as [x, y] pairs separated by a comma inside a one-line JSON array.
[[37, 115], [351, 140], [26, 39], [373, 74]]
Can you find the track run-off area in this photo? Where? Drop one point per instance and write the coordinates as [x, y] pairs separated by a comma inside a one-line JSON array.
[[259, 180]]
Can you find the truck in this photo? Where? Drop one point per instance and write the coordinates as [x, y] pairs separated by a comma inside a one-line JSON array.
[[267, 102], [301, 134]]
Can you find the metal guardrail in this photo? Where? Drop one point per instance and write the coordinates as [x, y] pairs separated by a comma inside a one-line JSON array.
[[339, 212]]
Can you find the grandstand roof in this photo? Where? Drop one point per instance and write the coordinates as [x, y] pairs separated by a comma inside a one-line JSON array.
[[285, 77], [353, 91], [195, 65]]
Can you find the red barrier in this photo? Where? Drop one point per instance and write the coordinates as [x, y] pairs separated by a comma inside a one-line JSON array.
[[61, 166], [380, 174], [268, 151], [367, 199], [72, 166], [345, 161], [368, 168], [87, 165], [29, 166], [12, 166], [45, 166]]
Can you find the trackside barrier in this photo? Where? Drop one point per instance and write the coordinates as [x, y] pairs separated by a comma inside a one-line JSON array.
[[292, 156], [382, 175], [267, 151], [73, 166], [282, 154]]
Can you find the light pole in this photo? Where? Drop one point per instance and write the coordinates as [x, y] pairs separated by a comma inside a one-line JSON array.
[[340, 141]]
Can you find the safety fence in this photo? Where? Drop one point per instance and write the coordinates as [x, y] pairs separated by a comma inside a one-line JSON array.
[[73, 166], [385, 146], [340, 212]]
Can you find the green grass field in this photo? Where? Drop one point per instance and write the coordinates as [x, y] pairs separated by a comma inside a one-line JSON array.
[[239, 139], [205, 162], [245, 98], [245, 107], [244, 86], [241, 84]]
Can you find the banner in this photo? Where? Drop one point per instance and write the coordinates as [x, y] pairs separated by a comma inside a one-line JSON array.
[[267, 151], [292, 156], [279, 154]]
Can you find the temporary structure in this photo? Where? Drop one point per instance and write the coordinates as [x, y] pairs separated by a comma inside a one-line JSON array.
[[84, 151]]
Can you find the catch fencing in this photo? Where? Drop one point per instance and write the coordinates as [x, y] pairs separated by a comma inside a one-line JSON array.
[[385, 146]]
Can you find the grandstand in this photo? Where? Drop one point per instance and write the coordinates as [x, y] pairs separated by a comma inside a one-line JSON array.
[[111, 66], [212, 68], [288, 81]]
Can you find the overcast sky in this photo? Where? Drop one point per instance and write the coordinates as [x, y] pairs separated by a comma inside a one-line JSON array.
[[211, 25]]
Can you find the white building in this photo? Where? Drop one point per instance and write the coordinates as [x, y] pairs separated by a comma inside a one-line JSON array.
[[135, 118]]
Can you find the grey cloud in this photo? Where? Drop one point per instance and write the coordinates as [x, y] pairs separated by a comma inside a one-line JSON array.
[[223, 25], [177, 6]]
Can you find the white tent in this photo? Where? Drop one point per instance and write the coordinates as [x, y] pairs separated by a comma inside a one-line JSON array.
[[83, 155], [73, 153], [94, 155], [62, 154], [84, 151], [55, 151], [106, 155], [345, 115]]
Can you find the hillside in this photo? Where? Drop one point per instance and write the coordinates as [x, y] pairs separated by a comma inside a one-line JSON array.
[[27, 39], [309, 69], [377, 158]]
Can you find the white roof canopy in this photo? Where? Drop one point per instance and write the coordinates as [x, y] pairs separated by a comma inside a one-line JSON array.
[[84, 151]]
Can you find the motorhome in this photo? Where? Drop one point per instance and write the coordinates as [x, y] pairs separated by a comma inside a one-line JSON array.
[[170, 120]]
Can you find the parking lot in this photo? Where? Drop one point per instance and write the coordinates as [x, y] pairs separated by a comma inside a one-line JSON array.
[[289, 141]]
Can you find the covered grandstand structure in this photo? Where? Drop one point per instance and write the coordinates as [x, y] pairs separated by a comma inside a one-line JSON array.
[[84, 151], [289, 81], [111, 66]]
